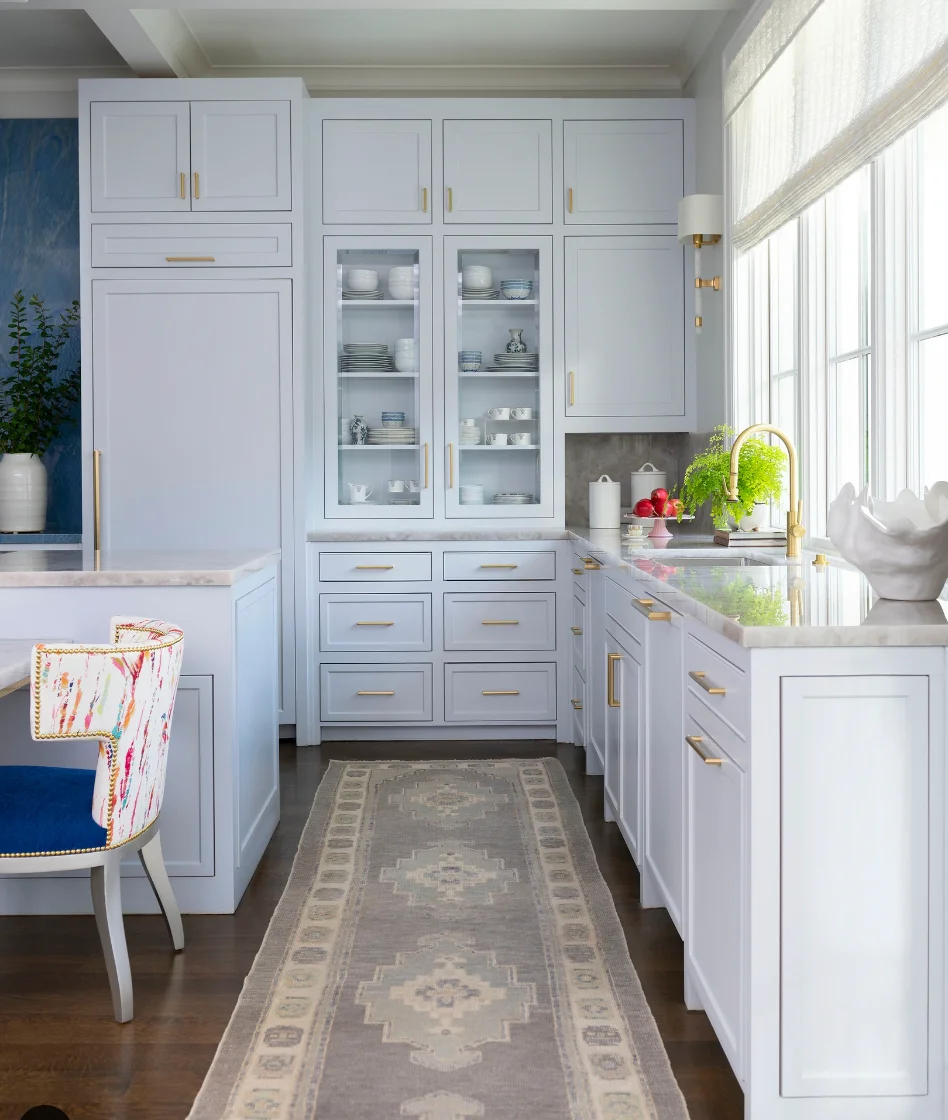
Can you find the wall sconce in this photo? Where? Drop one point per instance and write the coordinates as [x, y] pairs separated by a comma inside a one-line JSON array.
[[701, 221]]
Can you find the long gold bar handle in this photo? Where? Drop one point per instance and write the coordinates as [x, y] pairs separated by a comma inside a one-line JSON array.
[[500, 692], [375, 692], [577, 705], [695, 741], [97, 500], [702, 680], [577, 631], [450, 466], [197, 185], [374, 567], [173, 259], [611, 679], [498, 565], [424, 200], [500, 622], [569, 204], [591, 563], [450, 200], [644, 606], [572, 388], [182, 188], [375, 624], [426, 466]]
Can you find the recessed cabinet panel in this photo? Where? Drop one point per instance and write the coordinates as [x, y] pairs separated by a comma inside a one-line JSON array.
[[358, 567], [499, 693], [353, 623], [375, 693], [377, 171], [240, 155], [190, 245], [500, 621], [498, 171], [140, 152], [625, 346], [499, 565], [623, 172]]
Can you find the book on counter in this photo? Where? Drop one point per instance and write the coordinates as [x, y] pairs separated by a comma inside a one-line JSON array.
[[762, 538]]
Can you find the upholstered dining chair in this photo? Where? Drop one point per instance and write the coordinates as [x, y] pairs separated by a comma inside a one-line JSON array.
[[60, 819]]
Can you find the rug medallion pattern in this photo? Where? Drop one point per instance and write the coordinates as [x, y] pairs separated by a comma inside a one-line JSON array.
[[445, 948]]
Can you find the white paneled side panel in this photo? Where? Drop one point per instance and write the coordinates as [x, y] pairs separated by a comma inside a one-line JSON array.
[[498, 171], [855, 874], [140, 156], [240, 155], [377, 171]]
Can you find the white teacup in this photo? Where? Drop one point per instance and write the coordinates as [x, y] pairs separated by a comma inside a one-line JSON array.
[[497, 439], [395, 485], [520, 439], [521, 414], [498, 414], [413, 487], [470, 423], [359, 491]]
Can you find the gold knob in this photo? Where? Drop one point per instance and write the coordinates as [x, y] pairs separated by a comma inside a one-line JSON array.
[[820, 561]]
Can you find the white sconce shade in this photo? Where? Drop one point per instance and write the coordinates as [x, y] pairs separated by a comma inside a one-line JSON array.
[[701, 221]]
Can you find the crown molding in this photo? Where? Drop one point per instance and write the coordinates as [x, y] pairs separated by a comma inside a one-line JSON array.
[[61, 79]]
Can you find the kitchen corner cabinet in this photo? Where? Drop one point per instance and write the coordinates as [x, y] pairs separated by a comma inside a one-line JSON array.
[[498, 171], [377, 172], [184, 156], [625, 329]]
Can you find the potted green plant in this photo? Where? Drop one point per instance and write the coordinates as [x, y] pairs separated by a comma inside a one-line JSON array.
[[36, 401], [760, 470]]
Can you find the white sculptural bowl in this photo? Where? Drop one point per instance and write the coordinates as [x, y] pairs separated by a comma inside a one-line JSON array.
[[901, 547]]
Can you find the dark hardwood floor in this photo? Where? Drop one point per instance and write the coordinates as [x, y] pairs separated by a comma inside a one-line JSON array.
[[59, 1044]]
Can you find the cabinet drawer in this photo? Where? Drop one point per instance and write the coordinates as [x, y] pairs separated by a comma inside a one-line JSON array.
[[577, 703], [716, 685], [375, 693], [499, 565], [190, 246], [500, 621], [399, 623], [499, 693], [354, 567], [577, 636]]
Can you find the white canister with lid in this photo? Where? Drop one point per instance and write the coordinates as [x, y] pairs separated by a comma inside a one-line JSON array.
[[605, 506], [646, 479]]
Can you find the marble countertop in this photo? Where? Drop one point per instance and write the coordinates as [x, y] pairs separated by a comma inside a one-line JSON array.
[[758, 598], [327, 536], [48, 568], [14, 663]]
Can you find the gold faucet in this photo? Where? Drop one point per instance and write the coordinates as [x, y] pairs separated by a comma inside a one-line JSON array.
[[795, 529]]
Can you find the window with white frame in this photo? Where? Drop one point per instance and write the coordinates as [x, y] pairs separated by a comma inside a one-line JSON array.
[[840, 328]]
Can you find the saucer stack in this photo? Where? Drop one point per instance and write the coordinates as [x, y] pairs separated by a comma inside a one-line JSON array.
[[470, 435], [365, 357], [471, 494], [513, 500], [391, 437], [515, 363], [477, 282]]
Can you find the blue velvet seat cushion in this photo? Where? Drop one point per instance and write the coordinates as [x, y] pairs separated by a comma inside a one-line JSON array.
[[47, 809]]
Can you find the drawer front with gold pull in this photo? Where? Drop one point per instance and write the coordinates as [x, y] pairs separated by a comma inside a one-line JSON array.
[[374, 623], [651, 612], [366, 567], [701, 679], [482, 566], [500, 693], [173, 245], [718, 696], [500, 621], [695, 742], [612, 698], [362, 693]]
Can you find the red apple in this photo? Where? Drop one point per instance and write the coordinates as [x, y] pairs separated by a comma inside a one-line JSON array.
[[659, 498], [671, 507], [644, 508]]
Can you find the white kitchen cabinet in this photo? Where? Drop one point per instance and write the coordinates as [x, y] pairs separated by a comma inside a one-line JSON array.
[[377, 171], [625, 328], [578, 704], [140, 155], [596, 708], [240, 155], [625, 732], [627, 172], [500, 693], [498, 171], [192, 416], [716, 830], [499, 621]]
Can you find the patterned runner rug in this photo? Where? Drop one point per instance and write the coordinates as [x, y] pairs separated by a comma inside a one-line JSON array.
[[445, 948]]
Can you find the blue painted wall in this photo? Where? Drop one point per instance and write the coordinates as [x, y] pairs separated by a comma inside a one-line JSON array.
[[39, 252]]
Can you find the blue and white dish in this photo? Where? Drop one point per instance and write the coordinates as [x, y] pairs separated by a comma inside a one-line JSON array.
[[469, 361], [516, 289]]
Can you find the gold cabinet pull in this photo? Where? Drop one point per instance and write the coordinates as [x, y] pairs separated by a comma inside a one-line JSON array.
[[577, 630], [702, 680], [500, 622], [450, 466], [569, 203], [96, 500], [695, 741], [572, 388], [426, 466], [424, 200], [173, 259], [644, 606], [498, 565], [450, 200], [500, 692], [197, 185], [374, 567], [182, 186], [591, 562], [582, 571], [375, 692], [577, 705], [375, 624], [611, 679]]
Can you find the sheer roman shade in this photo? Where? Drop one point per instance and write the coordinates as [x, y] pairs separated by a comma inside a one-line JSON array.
[[817, 90]]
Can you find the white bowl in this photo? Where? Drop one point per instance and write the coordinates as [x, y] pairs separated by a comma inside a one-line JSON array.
[[476, 276], [405, 273], [362, 279], [401, 291]]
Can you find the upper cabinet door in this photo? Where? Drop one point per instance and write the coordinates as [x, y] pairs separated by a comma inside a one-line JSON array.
[[140, 153], [240, 155], [622, 172], [498, 171], [377, 172], [625, 324]]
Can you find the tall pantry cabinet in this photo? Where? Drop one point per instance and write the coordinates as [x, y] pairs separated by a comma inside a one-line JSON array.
[[192, 286]]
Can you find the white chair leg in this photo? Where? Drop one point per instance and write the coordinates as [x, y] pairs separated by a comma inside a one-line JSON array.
[[154, 865], [107, 903]]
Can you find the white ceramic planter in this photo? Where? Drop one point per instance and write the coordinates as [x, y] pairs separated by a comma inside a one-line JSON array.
[[753, 520], [22, 493]]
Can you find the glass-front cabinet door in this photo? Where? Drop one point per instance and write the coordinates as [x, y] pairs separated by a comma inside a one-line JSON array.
[[377, 363], [498, 377]]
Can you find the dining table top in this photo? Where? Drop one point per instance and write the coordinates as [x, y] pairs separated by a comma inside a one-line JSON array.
[[15, 656]]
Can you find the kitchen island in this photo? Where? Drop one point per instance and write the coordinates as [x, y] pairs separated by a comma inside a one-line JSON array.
[[773, 738], [222, 794]]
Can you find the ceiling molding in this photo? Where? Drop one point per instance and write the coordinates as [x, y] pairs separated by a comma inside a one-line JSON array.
[[130, 39], [61, 79], [696, 42], [175, 42]]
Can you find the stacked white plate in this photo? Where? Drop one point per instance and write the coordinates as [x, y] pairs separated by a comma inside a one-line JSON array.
[[469, 437], [471, 494], [514, 499], [515, 363], [365, 357], [391, 437], [348, 293], [479, 293]]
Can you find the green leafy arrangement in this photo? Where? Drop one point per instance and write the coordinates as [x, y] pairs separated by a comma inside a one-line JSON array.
[[739, 599], [760, 470], [34, 405]]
